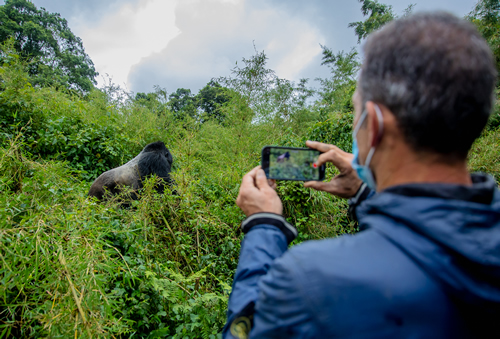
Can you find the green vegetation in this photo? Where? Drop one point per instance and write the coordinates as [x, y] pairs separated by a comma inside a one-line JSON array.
[[486, 17], [164, 266], [57, 56], [378, 15], [72, 267]]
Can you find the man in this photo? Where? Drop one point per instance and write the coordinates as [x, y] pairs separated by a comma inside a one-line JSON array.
[[426, 263]]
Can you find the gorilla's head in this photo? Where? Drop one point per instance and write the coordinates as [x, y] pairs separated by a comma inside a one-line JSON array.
[[155, 158], [159, 148]]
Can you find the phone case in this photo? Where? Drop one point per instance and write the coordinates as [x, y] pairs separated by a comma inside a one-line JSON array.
[[290, 165]]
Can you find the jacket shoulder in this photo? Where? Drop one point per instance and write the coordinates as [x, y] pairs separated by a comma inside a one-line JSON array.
[[365, 283]]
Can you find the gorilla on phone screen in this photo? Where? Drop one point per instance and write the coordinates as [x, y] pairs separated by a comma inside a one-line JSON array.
[[155, 158], [283, 157]]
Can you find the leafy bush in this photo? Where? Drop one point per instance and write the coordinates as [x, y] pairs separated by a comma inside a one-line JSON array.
[[494, 121], [90, 133], [335, 131], [72, 267], [90, 148], [485, 154]]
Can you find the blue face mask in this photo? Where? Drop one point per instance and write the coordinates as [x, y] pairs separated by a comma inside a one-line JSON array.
[[364, 172]]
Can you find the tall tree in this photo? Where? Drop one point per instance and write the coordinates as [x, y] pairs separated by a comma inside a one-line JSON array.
[[486, 17], [378, 15], [183, 103], [210, 99], [269, 96], [336, 92], [155, 101], [56, 55], [253, 80]]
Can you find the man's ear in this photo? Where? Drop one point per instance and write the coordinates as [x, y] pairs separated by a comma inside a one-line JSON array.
[[373, 124]]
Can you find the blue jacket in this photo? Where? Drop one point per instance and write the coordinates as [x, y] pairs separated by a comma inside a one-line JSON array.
[[425, 265]]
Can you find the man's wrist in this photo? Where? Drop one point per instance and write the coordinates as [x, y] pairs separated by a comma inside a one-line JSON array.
[[361, 195], [273, 219]]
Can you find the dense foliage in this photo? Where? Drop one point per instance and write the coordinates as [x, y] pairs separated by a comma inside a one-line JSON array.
[[163, 266], [72, 267], [486, 17], [378, 15], [57, 57]]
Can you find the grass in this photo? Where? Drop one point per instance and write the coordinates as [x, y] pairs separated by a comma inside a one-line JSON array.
[[72, 267], [485, 154]]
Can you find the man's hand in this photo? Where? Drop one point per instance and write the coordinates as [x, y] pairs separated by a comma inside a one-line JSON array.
[[344, 185], [257, 194]]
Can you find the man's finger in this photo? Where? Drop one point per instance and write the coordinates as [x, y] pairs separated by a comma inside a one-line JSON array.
[[319, 146], [248, 180], [272, 183], [320, 186], [261, 180], [330, 156], [340, 159]]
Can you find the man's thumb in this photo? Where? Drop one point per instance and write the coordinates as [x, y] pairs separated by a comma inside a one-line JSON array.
[[261, 180]]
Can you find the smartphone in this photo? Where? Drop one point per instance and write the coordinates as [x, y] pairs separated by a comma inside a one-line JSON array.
[[291, 163]]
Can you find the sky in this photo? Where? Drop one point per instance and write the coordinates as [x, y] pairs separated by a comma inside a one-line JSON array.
[[138, 44]]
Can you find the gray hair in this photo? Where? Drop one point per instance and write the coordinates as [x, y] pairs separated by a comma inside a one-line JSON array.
[[437, 75]]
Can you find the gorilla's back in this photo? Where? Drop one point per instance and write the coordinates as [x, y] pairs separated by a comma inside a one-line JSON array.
[[125, 175]]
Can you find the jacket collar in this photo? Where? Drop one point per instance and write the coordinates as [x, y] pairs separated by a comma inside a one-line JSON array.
[[482, 190]]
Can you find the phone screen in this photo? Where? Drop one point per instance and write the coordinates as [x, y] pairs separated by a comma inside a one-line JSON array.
[[289, 163]]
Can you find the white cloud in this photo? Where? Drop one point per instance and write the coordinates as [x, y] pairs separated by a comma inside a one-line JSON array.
[[184, 43], [216, 33], [299, 54], [121, 39]]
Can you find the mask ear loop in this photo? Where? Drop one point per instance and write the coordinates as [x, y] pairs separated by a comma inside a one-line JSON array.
[[380, 117], [379, 135], [360, 122]]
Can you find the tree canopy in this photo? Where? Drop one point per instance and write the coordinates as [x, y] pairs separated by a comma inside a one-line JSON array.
[[486, 17], [56, 56], [211, 98], [378, 15], [182, 102]]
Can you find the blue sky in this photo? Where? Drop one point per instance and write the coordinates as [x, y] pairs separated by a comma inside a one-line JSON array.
[[185, 43]]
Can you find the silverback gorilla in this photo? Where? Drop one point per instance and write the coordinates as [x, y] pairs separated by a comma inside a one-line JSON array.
[[155, 158]]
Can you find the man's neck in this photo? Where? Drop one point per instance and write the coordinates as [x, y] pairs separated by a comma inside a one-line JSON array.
[[420, 168]]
